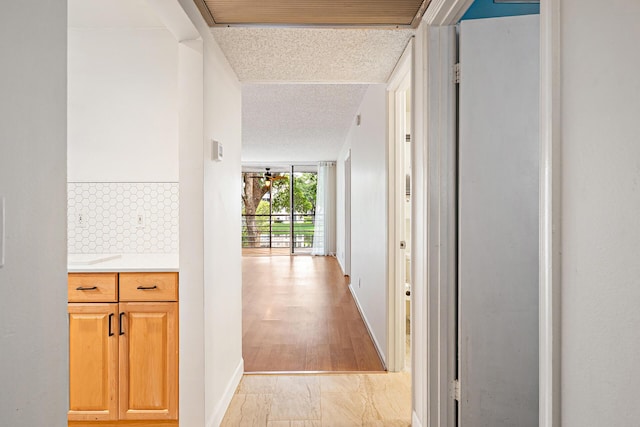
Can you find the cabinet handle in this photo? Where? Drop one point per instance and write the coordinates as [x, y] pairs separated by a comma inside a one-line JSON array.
[[120, 323], [110, 323], [84, 288], [147, 288]]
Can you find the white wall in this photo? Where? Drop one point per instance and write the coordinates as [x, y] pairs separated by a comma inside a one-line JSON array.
[[123, 98], [221, 306], [33, 296], [368, 144], [223, 272], [600, 207], [190, 114]]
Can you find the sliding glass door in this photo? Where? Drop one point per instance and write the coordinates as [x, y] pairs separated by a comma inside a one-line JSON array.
[[278, 207]]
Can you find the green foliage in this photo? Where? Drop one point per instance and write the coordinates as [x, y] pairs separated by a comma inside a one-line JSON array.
[[308, 185], [304, 194], [263, 208]]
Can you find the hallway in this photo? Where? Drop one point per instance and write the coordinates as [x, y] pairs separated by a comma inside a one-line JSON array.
[[299, 315]]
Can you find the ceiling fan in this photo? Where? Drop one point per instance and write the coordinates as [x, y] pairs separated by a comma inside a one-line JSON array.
[[268, 176]]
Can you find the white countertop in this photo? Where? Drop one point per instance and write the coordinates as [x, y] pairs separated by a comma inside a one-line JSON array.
[[110, 263]]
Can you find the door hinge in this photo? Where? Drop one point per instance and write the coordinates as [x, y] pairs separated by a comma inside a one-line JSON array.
[[456, 73], [456, 390]]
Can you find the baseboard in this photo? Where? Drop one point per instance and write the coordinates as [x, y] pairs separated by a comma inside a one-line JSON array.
[[415, 422], [376, 344], [123, 423], [340, 263], [223, 404]]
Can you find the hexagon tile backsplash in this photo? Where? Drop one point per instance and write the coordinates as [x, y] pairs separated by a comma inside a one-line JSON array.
[[122, 217]]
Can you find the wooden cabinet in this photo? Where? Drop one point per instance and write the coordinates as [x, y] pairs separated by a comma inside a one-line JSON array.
[[123, 356], [149, 361], [148, 286], [93, 361]]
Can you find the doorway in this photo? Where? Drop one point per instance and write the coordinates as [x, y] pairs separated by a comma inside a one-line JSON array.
[[298, 313], [400, 178], [347, 215]]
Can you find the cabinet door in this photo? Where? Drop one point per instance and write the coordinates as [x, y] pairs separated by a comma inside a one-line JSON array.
[[149, 361], [93, 361]]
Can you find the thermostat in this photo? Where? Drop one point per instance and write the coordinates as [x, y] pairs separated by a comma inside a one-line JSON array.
[[216, 151]]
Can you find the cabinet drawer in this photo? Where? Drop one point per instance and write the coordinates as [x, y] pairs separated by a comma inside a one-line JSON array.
[[92, 287], [148, 286]]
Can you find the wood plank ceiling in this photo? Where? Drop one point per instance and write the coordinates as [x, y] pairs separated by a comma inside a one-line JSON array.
[[313, 12]]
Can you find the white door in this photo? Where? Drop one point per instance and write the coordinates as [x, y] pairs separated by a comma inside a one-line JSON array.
[[498, 222]]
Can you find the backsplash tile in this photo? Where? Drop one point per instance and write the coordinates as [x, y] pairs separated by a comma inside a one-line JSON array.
[[103, 217]]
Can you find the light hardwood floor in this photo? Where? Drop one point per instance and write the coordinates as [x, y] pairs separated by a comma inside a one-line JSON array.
[[298, 315], [332, 400], [266, 252]]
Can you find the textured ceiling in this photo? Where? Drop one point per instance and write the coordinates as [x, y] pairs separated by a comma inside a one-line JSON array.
[[312, 54], [297, 122], [289, 122]]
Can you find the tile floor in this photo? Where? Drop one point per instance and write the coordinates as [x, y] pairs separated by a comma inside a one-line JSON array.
[[324, 400]]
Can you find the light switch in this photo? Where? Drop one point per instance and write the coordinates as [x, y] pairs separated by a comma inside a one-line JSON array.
[[2, 232]]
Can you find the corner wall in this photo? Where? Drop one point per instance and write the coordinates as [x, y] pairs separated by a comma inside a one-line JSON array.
[[600, 205], [222, 231], [368, 144], [33, 297], [220, 309]]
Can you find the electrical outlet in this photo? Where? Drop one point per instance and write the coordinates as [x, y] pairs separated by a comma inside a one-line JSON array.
[[140, 220], [81, 220], [359, 284]]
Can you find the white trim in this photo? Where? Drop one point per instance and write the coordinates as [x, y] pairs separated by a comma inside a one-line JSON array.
[[415, 421], [402, 68], [434, 227], [441, 217], [341, 266], [222, 406], [433, 236], [399, 82], [376, 344], [445, 12], [550, 213], [419, 331], [175, 19]]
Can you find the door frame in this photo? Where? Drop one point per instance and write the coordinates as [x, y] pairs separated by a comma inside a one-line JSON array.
[[434, 216], [399, 83], [434, 112], [347, 215]]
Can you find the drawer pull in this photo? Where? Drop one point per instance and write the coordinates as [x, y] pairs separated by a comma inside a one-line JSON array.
[[84, 288], [110, 322], [147, 288], [120, 323]]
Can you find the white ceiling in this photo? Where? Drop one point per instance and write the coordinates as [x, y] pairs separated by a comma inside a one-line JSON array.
[[312, 54], [289, 121], [297, 122]]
